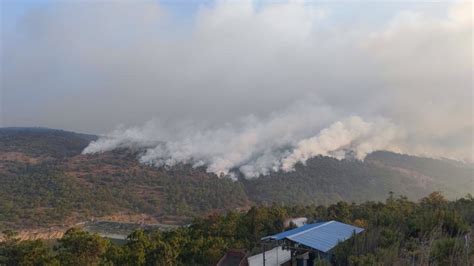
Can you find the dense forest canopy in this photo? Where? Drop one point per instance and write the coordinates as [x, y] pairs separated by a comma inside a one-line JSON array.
[[398, 232]]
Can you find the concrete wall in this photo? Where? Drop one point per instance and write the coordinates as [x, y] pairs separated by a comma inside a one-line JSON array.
[[273, 257]]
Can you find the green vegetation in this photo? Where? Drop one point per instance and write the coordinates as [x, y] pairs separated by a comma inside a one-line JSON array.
[[398, 232], [47, 182], [43, 194], [43, 141], [452, 177], [324, 180]]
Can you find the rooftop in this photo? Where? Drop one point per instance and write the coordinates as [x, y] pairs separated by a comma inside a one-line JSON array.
[[322, 236]]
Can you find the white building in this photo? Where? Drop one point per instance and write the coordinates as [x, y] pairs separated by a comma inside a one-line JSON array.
[[273, 257]]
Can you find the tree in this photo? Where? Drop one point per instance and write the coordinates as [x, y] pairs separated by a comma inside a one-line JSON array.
[[16, 252], [78, 247]]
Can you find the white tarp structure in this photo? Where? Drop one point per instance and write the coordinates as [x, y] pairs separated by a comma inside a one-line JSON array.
[[273, 257], [299, 221]]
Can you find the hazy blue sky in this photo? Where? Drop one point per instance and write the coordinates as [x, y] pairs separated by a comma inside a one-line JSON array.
[[91, 66]]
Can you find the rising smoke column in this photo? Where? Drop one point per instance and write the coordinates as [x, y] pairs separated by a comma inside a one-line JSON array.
[[413, 67], [352, 134], [255, 146]]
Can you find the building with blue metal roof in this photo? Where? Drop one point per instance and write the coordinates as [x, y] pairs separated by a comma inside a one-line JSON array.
[[322, 236], [313, 240]]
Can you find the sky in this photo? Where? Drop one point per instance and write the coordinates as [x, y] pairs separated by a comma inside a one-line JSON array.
[[207, 70]]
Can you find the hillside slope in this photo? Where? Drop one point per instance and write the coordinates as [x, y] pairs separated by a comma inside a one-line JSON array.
[[40, 142], [451, 177], [324, 180], [47, 182]]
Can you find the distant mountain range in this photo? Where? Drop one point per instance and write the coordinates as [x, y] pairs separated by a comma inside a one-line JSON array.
[[47, 182]]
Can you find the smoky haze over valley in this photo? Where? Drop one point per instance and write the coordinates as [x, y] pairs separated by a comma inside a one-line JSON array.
[[245, 85]]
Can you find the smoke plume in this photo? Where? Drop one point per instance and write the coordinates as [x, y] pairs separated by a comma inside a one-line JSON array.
[[256, 146], [230, 86]]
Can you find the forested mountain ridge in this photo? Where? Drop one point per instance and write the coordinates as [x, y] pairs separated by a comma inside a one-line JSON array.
[[46, 181], [452, 177], [43, 141]]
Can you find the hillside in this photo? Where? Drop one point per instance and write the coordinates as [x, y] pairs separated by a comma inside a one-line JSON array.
[[41, 142], [449, 176], [324, 180], [47, 182]]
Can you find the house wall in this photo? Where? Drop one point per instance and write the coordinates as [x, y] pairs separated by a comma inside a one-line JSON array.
[[273, 257]]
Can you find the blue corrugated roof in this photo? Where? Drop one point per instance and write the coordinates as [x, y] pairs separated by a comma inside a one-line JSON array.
[[283, 235], [320, 236]]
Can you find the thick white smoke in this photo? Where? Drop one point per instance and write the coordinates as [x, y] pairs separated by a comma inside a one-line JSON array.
[[90, 65], [256, 146], [353, 134]]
